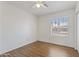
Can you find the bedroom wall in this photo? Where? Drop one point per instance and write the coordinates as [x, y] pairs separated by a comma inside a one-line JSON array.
[[77, 14], [0, 27], [44, 29], [18, 27]]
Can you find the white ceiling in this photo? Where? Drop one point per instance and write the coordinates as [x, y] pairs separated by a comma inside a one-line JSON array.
[[53, 6]]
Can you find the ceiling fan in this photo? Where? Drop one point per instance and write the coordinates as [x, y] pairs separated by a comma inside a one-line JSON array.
[[39, 4]]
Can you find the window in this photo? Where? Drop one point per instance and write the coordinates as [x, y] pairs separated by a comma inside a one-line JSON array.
[[59, 26]]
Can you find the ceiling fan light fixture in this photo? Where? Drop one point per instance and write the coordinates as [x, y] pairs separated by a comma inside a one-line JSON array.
[[38, 5]]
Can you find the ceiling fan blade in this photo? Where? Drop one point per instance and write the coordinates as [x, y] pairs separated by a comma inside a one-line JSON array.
[[44, 5]]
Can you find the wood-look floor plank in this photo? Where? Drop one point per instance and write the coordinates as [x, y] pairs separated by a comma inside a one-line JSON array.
[[42, 49]]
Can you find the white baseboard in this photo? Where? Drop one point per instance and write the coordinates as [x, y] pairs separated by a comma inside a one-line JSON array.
[[57, 43], [4, 51]]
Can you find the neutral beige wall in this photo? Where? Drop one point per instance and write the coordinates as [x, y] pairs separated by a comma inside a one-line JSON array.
[[18, 28], [0, 26], [77, 14], [44, 31]]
